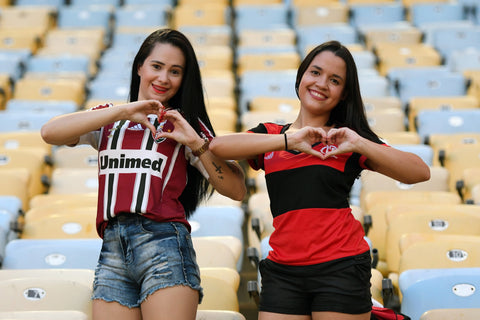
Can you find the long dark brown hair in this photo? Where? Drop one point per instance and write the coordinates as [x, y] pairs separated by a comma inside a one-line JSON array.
[[189, 100], [350, 111]]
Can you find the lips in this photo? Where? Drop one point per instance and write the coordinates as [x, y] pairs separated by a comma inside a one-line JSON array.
[[159, 89], [317, 95]]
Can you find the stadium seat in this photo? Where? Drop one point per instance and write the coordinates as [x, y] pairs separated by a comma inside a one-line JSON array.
[[206, 14], [424, 13], [16, 183], [212, 252], [458, 158], [30, 158], [74, 224], [251, 119], [267, 61], [44, 315], [220, 287], [143, 16], [442, 142], [464, 60], [46, 290], [386, 120], [267, 84], [260, 16], [219, 315], [451, 314], [50, 89], [428, 251], [376, 13], [377, 203], [80, 156], [435, 81], [279, 104], [428, 289], [266, 38], [41, 106], [418, 104], [74, 180], [315, 14], [215, 57], [60, 200], [220, 35], [395, 55], [428, 218], [448, 37], [52, 254], [311, 36]]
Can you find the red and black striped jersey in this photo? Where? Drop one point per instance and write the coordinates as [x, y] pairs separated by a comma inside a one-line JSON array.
[[137, 174], [309, 202]]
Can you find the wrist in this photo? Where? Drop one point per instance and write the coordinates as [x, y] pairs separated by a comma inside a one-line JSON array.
[[200, 148]]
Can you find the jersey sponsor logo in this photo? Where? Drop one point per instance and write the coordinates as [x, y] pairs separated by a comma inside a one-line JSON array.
[[132, 161]]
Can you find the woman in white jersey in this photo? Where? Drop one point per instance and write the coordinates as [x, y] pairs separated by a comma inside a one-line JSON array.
[[154, 169]]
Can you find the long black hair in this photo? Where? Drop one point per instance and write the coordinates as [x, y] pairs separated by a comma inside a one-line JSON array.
[[350, 111], [189, 99]]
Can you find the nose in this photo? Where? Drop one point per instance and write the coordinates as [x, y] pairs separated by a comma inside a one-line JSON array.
[[162, 76], [322, 81]]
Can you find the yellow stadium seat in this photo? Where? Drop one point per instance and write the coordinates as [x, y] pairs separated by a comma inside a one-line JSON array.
[[451, 314], [46, 290], [220, 287]]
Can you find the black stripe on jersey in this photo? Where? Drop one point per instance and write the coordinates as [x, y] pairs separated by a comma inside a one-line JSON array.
[[151, 141], [110, 182], [313, 186], [141, 192], [116, 134]]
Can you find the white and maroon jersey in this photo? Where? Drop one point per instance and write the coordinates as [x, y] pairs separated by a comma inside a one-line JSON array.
[[137, 174]]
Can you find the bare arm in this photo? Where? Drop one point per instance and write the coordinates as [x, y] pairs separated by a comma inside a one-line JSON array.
[[68, 128], [227, 177], [402, 166], [249, 145]]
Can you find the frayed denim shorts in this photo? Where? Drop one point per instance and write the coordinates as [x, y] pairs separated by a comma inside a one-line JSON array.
[[140, 256]]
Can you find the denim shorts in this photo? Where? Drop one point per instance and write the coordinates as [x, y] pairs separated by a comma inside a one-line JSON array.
[[140, 256], [341, 285]]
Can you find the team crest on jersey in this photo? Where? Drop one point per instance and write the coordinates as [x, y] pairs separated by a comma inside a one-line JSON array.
[[159, 130], [269, 155]]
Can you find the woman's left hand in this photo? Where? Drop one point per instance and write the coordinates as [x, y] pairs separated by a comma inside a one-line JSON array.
[[344, 138], [182, 133]]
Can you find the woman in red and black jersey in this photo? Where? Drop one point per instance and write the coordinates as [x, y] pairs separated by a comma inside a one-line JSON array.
[[154, 169], [320, 265]]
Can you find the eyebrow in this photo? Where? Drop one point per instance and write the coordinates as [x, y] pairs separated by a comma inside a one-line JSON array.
[[163, 64], [334, 75]]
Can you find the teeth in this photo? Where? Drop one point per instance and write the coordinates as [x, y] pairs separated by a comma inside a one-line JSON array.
[[316, 94]]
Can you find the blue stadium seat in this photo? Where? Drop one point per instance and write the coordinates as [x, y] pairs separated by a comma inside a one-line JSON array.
[[115, 3], [58, 63], [41, 106], [427, 289], [143, 16], [12, 62], [447, 121], [13, 121], [218, 221], [374, 13], [450, 37], [407, 83], [52, 254], [268, 16], [269, 84], [85, 17], [422, 13], [55, 3], [311, 36]]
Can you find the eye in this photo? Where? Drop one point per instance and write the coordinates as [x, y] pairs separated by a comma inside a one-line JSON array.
[[335, 81], [176, 72]]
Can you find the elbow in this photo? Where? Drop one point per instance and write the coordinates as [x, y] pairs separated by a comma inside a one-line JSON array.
[[422, 175], [216, 148], [47, 134]]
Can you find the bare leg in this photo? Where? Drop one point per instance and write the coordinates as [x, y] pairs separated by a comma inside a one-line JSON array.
[[103, 310], [279, 316], [339, 316], [174, 303]]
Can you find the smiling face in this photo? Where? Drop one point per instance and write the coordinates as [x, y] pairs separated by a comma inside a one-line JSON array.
[[322, 85], [161, 73]]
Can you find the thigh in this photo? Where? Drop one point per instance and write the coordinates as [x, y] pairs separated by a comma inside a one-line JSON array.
[[339, 316], [179, 302], [103, 310], [277, 316]]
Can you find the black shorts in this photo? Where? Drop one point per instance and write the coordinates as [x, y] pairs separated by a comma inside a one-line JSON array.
[[341, 285]]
